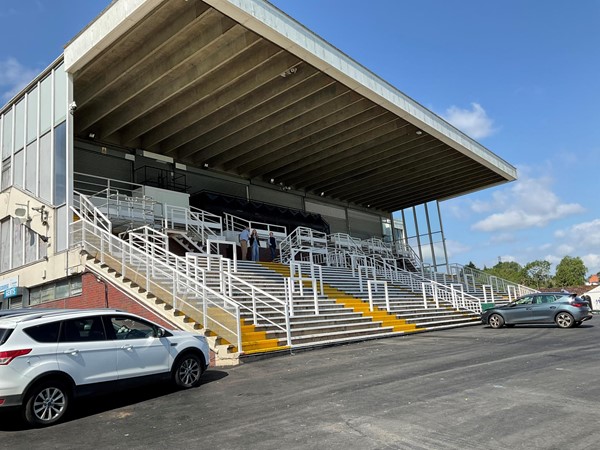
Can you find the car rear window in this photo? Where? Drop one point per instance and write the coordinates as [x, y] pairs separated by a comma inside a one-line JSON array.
[[4, 334], [47, 332]]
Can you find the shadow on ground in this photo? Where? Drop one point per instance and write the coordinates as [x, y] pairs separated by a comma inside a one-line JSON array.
[[11, 419]]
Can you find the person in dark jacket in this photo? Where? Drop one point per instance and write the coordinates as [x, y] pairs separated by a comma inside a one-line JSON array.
[[272, 245]]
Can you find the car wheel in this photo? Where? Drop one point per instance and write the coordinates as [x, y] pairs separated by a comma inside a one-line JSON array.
[[496, 321], [564, 320], [47, 403], [187, 370]]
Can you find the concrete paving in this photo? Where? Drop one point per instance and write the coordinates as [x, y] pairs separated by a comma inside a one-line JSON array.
[[530, 387]]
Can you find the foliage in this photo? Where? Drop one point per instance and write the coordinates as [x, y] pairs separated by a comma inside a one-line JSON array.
[[537, 273], [570, 272], [510, 270]]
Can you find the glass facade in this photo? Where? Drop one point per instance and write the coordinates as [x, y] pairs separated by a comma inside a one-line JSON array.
[[425, 234], [34, 159], [34, 144]]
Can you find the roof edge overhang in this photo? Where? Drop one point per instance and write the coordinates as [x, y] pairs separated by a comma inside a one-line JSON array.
[[274, 25], [268, 21], [115, 21]]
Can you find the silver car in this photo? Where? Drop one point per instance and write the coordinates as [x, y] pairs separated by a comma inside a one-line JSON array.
[[543, 307]]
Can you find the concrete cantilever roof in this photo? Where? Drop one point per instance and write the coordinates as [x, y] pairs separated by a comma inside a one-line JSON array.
[[242, 87]]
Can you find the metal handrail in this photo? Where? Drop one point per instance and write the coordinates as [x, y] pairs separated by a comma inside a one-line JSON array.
[[237, 224], [418, 283], [152, 243], [216, 312], [230, 285], [200, 224], [464, 274]]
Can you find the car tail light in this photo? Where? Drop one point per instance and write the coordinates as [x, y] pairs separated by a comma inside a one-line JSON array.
[[578, 304], [8, 356]]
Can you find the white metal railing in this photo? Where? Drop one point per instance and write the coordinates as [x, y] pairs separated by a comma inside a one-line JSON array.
[[474, 277], [372, 285], [152, 244], [238, 224], [213, 247], [200, 225], [87, 211], [404, 253], [236, 287], [302, 239], [343, 241], [418, 283], [314, 272], [215, 311]]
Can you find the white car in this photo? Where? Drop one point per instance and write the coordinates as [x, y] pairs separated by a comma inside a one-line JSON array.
[[49, 357]]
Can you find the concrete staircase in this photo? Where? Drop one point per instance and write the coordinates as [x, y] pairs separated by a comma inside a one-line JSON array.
[[404, 304], [335, 322]]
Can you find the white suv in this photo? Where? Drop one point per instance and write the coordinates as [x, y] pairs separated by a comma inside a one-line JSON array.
[[49, 357]]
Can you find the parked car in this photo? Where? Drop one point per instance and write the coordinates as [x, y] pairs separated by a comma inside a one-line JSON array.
[[48, 358], [565, 310]]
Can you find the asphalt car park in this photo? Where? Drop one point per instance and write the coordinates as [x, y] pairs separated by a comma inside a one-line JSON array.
[[528, 387]]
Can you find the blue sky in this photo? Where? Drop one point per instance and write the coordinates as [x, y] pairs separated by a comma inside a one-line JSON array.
[[522, 77]]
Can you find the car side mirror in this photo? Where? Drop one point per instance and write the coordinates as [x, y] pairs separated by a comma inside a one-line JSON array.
[[161, 332], [512, 305]]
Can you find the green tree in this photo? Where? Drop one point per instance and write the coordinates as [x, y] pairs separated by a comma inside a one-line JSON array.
[[471, 265], [570, 272], [509, 270], [537, 273]]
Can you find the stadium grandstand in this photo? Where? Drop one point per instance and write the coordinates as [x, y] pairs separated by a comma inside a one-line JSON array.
[[132, 164]]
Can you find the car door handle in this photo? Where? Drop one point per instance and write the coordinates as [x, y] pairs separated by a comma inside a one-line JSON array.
[[128, 347], [71, 351], [553, 307]]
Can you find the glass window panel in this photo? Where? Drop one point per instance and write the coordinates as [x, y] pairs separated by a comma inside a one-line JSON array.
[[45, 104], [17, 244], [5, 174], [409, 223], [60, 237], [60, 94], [18, 169], [62, 289], [60, 163], [31, 245], [20, 125], [76, 285], [434, 219], [45, 173], [47, 293], [31, 168], [35, 296], [32, 115], [5, 246], [7, 121]]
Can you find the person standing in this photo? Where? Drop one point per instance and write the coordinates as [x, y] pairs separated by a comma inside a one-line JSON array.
[[254, 245], [272, 245], [244, 237]]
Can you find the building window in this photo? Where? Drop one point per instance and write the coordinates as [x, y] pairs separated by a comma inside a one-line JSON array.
[[68, 287]]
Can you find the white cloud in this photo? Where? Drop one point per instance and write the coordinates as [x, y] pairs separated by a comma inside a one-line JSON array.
[[456, 248], [474, 122], [13, 77], [526, 203], [582, 239]]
